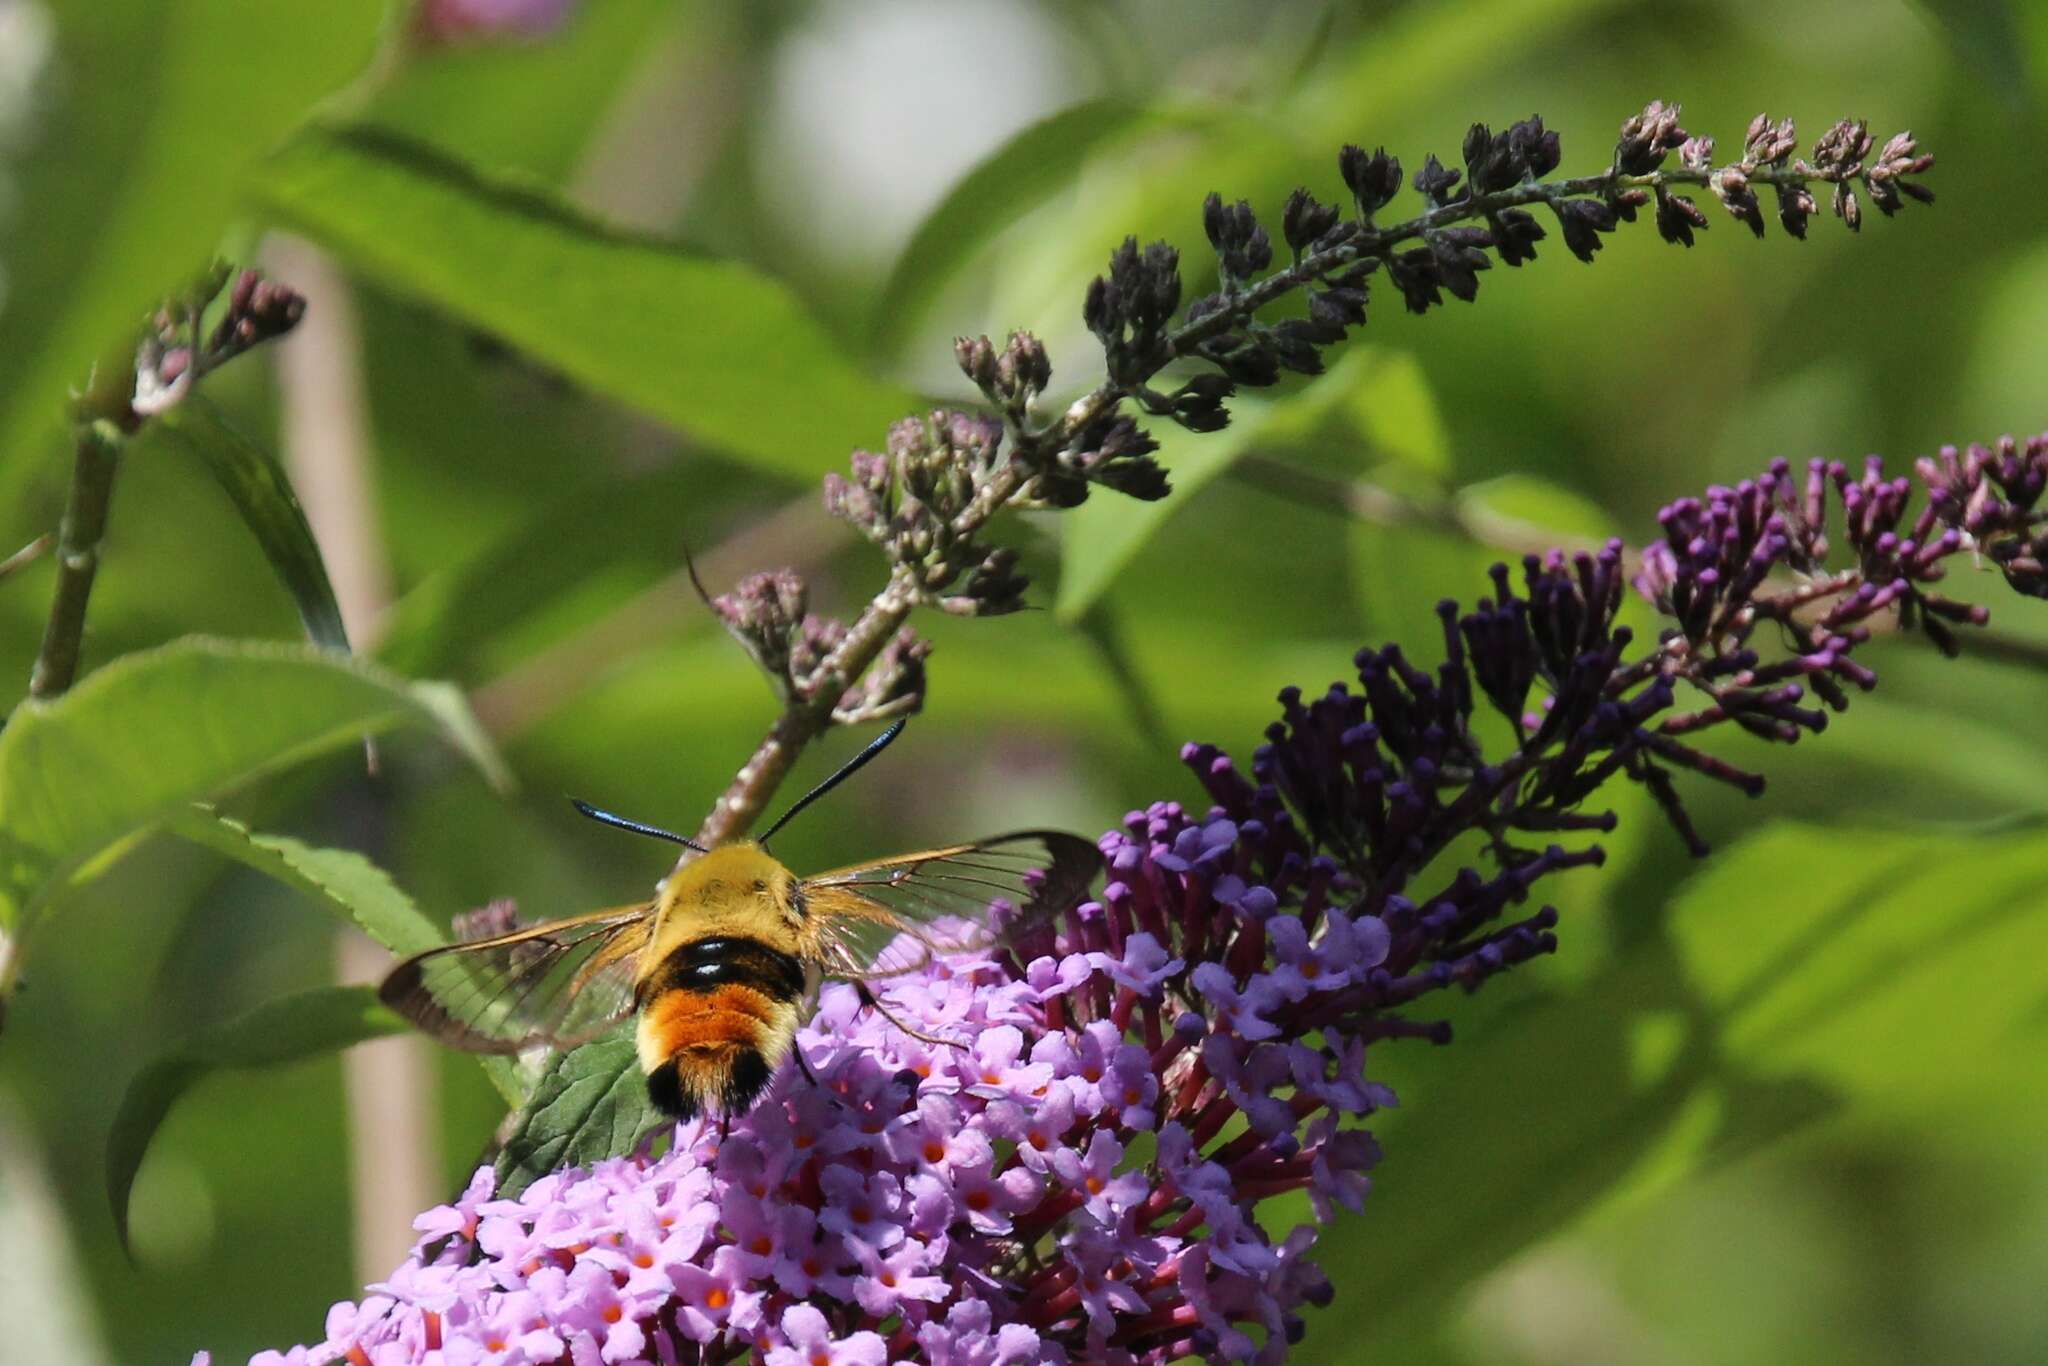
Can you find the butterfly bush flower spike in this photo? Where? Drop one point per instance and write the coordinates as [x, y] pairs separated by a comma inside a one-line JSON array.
[[1096, 1172], [1089, 1177]]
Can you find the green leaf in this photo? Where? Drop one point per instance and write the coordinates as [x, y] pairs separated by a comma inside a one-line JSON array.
[[133, 181], [591, 1103], [1394, 409], [1100, 538], [1987, 35], [289, 1029], [713, 347], [1032, 164], [1100, 627], [1807, 973], [140, 739], [1889, 929], [1518, 509], [472, 617], [342, 880], [539, 108], [255, 481]]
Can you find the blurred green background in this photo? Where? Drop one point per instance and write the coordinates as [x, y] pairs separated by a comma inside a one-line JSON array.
[[1786, 1105]]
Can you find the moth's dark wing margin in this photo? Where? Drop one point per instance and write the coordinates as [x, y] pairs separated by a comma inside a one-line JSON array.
[[560, 984], [879, 917]]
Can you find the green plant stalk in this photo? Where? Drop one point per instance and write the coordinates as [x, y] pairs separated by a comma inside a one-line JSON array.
[[96, 457], [27, 555]]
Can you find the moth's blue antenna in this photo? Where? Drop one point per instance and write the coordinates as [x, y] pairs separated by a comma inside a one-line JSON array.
[[607, 818], [846, 770]]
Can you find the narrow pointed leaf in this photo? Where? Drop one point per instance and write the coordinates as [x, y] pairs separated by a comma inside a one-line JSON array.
[[254, 480], [339, 880], [713, 347]]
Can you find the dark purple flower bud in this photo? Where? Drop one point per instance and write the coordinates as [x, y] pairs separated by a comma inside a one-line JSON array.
[[1414, 273], [1678, 217], [1842, 148], [1296, 344], [1100, 311], [1116, 452], [1373, 180], [1139, 297], [1494, 162], [995, 588], [1626, 202], [1515, 232], [1731, 187], [1484, 171], [1338, 306], [764, 614], [977, 360], [1435, 182], [892, 686], [1459, 259], [1022, 371], [1235, 233], [1647, 137], [1303, 220], [485, 922], [1535, 148], [1249, 361], [1847, 207], [1769, 143], [1582, 221], [1795, 207]]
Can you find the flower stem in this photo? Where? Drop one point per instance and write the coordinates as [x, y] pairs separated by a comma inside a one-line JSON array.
[[27, 555], [95, 459]]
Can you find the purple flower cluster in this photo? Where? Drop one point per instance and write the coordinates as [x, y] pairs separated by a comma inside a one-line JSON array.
[[1386, 778], [1079, 1181], [1080, 1177]]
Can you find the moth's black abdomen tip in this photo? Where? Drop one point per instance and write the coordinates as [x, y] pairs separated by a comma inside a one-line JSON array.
[[746, 1081], [665, 1089]]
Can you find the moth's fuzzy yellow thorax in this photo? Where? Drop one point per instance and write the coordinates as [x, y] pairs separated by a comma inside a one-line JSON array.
[[737, 888]]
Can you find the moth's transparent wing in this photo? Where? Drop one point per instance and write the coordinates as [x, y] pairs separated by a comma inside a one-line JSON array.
[[892, 915], [560, 984]]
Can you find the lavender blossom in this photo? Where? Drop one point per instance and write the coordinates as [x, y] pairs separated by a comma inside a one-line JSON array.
[[1081, 1178], [1071, 1184], [451, 21]]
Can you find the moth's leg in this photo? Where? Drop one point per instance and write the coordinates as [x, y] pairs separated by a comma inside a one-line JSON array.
[[796, 1050], [874, 1003]]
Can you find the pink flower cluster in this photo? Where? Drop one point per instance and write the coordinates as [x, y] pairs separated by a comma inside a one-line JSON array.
[[1078, 1182], [446, 21]]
